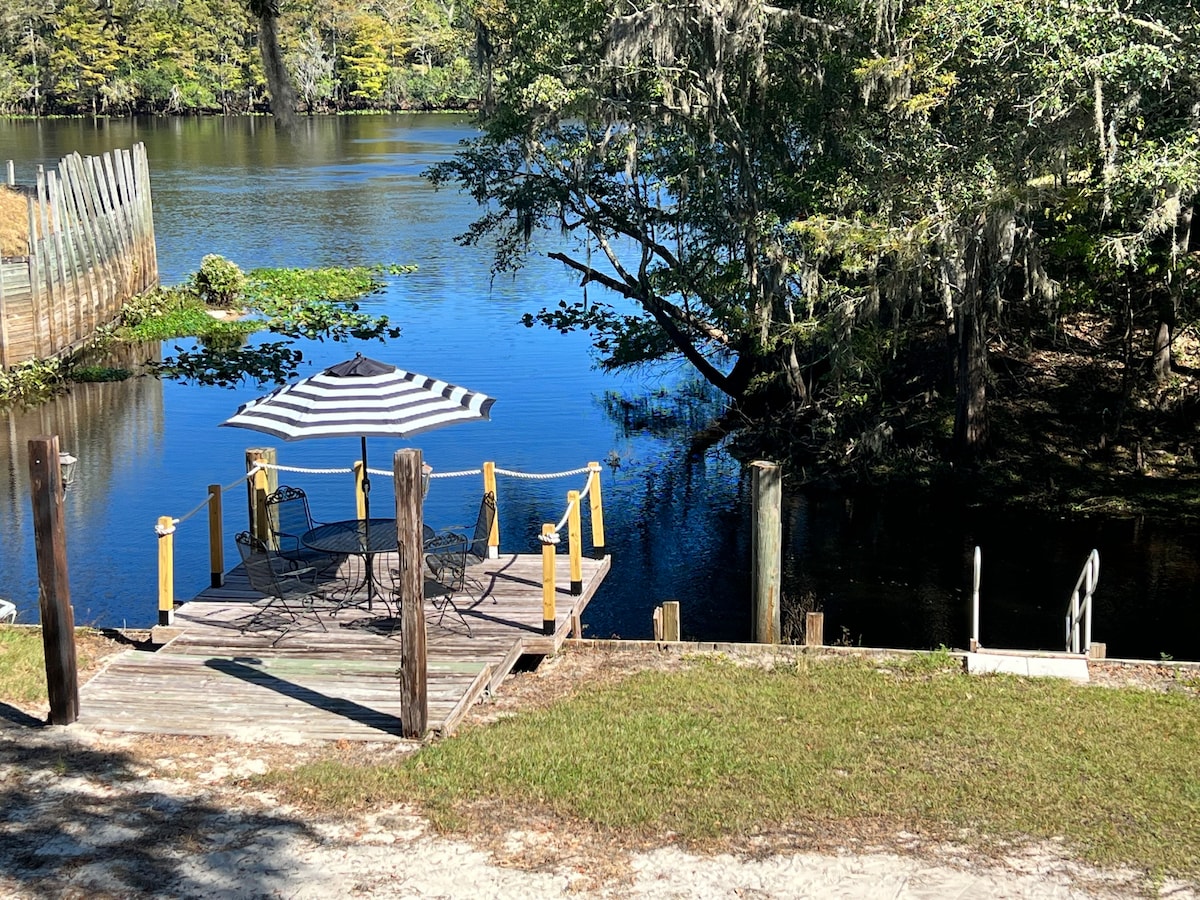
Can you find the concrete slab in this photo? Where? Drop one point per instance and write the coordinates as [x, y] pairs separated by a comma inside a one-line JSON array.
[[1029, 665]]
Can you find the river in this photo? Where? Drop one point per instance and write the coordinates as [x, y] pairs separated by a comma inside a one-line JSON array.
[[349, 191]]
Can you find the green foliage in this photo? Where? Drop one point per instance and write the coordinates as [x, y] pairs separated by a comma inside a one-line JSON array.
[[32, 382], [316, 304], [155, 304], [99, 373], [202, 56], [218, 281], [266, 363]]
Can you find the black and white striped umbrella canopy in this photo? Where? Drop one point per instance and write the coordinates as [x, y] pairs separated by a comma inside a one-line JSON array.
[[361, 397]]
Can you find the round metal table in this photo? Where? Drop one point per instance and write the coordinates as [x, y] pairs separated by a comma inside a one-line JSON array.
[[356, 537]]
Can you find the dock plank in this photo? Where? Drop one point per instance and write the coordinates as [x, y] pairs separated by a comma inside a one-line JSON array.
[[333, 676]]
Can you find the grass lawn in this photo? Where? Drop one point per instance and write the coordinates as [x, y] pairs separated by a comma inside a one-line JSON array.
[[716, 751]]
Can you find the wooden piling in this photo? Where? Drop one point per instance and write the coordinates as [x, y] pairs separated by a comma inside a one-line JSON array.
[[597, 510], [414, 696], [767, 549], [54, 591], [575, 543], [548, 586], [814, 629], [166, 570], [360, 498], [261, 483], [489, 486], [216, 540], [670, 620]]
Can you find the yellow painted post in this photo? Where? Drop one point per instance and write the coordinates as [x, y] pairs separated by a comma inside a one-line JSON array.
[[597, 510], [257, 488], [216, 549], [548, 589], [360, 499], [575, 542], [166, 570], [489, 485]]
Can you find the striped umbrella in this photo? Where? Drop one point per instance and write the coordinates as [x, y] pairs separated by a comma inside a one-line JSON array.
[[363, 397]]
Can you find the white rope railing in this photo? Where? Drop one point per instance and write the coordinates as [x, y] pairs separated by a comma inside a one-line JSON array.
[[552, 537], [305, 471], [162, 530], [540, 477]]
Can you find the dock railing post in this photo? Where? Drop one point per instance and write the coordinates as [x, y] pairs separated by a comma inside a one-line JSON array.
[[575, 542], [360, 499], [548, 587], [54, 589], [166, 569], [596, 511], [489, 486], [257, 488], [216, 539], [414, 682], [766, 557]]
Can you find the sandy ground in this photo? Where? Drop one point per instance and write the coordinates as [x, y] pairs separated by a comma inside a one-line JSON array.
[[93, 815]]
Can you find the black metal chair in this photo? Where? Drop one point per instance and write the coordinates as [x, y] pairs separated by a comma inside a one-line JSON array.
[[291, 518], [288, 592], [450, 554]]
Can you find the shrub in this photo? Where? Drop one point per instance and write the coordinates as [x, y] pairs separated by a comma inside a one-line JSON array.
[[219, 282]]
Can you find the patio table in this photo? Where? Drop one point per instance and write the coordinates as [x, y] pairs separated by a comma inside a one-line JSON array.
[[356, 537]]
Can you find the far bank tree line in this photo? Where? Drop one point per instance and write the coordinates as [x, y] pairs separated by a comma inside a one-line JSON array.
[[118, 57]]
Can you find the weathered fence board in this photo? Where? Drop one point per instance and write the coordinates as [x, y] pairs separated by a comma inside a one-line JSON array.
[[91, 248]]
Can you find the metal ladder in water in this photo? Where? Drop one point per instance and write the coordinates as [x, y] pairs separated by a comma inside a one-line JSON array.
[[1079, 610]]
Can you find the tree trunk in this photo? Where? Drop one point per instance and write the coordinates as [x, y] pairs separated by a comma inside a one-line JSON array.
[[970, 413], [1169, 306], [279, 82]]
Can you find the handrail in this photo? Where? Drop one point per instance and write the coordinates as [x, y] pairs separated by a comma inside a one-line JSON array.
[[1089, 577], [550, 539], [165, 529], [260, 472]]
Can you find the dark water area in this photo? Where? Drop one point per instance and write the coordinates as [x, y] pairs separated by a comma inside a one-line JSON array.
[[887, 571]]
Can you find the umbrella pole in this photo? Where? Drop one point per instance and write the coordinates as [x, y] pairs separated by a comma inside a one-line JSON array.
[[366, 489]]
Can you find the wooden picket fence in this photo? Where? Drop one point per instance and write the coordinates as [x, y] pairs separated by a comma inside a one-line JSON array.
[[91, 248]]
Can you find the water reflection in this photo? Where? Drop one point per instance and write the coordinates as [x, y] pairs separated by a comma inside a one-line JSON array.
[[891, 571]]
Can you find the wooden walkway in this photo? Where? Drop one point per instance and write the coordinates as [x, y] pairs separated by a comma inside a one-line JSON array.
[[334, 676]]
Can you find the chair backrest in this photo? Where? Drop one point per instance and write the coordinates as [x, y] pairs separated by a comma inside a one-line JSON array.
[[256, 558], [478, 550], [287, 509]]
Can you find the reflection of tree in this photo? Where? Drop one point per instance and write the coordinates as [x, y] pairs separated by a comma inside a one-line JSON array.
[[63, 834], [689, 412]]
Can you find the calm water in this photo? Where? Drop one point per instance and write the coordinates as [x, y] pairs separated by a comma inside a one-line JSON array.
[[350, 192]]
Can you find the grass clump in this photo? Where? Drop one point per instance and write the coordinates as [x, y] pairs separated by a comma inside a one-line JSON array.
[[23, 661], [725, 751]]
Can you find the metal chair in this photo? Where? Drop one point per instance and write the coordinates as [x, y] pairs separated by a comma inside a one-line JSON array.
[[287, 591], [450, 554], [439, 594], [290, 518]]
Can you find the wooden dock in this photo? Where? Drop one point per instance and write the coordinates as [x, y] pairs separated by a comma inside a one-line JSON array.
[[333, 675]]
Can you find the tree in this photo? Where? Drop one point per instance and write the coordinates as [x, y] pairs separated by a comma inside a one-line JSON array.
[[673, 144], [791, 195], [279, 82], [86, 56]]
